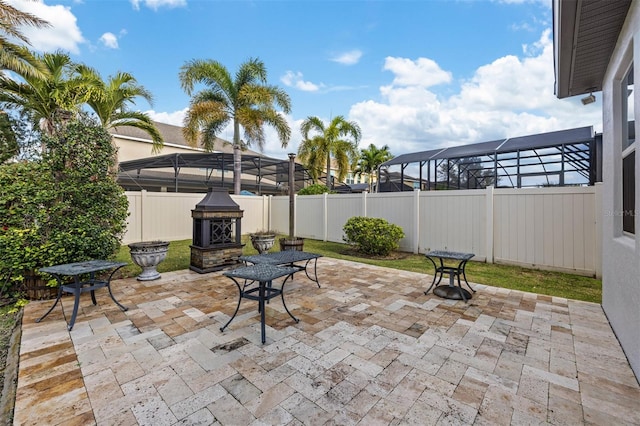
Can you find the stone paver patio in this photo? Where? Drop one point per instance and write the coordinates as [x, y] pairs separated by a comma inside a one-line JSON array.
[[370, 349]]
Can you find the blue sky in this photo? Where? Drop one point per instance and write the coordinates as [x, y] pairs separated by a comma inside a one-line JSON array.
[[416, 75]]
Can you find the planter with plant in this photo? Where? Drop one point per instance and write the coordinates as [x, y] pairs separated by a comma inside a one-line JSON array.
[[263, 241]]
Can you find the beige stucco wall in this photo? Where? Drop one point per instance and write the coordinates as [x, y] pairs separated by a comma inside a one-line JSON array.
[[621, 253], [130, 149]]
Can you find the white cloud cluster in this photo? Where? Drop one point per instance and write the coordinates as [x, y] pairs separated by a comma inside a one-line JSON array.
[[157, 4], [509, 97], [63, 33], [109, 40], [295, 79], [175, 118], [351, 57]]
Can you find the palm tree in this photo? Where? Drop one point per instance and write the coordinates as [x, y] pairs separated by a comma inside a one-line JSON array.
[[110, 99], [338, 140], [14, 57], [48, 99], [246, 101], [370, 159]]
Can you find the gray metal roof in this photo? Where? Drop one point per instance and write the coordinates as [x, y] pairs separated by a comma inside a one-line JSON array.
[[541, 140], [585, 33]]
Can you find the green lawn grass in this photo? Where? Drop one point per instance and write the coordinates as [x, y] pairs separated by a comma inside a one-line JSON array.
[[505, 276]]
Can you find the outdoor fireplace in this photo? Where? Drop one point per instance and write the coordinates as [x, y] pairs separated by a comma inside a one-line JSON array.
[[216, 232]]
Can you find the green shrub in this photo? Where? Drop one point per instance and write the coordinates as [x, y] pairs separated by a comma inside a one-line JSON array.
[[372, 235], [63, 208], [315, 189]]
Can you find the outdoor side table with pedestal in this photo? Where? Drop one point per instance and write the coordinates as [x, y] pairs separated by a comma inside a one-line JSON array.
[[79, 285], [450, 291], [264, 274]]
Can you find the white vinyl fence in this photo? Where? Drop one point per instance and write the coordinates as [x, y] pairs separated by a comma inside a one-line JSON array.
[[547, 228]]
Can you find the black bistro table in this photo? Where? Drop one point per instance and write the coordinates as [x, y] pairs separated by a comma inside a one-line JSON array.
[[264, 274], [80, 284], [450, 291], [289, 258]]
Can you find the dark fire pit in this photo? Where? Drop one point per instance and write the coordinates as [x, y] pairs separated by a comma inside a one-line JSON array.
[[216, 232]]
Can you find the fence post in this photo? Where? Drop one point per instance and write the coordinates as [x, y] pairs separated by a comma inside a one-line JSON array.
[[489, 224], [598, 225], [325, 217], [295, 214], [364, 203], [266, 210], [143, 221], [416, 221]]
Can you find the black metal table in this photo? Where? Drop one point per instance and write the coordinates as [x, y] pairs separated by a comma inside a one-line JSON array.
[[80, 285], [289, 258], [264, 274], [450, 291]]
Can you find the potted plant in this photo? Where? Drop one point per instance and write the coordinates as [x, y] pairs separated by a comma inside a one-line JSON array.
[[263, 240], [292, 242]]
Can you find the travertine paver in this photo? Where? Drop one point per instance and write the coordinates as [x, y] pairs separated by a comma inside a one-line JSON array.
[[370, 348]]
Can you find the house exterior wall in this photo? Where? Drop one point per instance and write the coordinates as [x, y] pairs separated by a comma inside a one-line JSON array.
[[621, 252], [134, 149]]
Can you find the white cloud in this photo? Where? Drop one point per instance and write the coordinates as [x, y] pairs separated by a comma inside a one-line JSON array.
[[63, 33], [157, 4], [295, 79], [511, 96], [422, 72], [109, 40], [175, 118], [348, 58]]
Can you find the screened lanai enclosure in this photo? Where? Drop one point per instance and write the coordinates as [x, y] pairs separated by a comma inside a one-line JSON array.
[[561, 158], [196, 172]]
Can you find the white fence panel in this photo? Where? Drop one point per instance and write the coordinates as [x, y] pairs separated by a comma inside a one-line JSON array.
[[454, 220], [397, 208], [550, 227], [280, 214], [340, 207], [167, 216], [310, 216], [255, 212], [134, 220]]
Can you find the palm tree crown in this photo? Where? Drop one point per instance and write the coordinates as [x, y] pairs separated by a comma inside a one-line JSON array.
[[246, 101], [338, 140], [60, 91], [14, 57], [370, 159], [110, 101]]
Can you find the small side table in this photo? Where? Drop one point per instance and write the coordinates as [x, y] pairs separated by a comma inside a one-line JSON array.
[[76, 270], [450, 291], [264, 274]]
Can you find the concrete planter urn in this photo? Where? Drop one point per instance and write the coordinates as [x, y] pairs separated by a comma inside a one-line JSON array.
[[263, 241], [147, 255]]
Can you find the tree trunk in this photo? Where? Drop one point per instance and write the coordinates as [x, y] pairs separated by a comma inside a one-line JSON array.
[[237, 168], [329, 180]]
